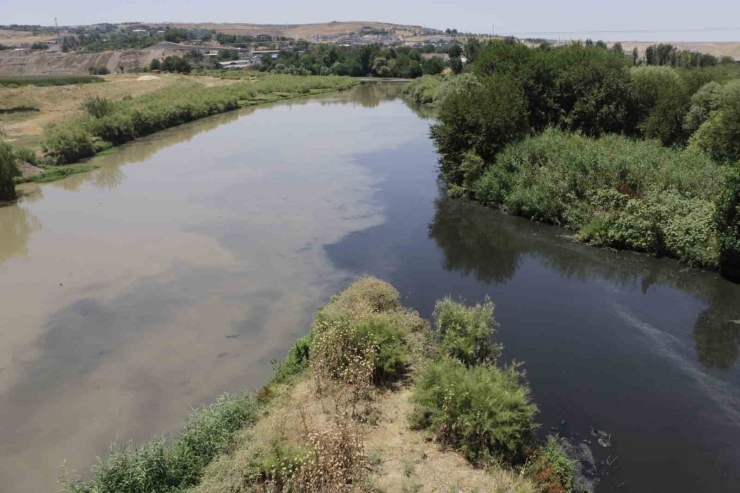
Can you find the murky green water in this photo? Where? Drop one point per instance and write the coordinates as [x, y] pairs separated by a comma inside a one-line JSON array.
[[191, 259]]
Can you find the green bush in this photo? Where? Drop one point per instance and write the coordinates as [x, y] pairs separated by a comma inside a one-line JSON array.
[[67, 143], [172, 465], [706, 100], [97, 106], [552, 468], [728, 226], [391, 350], [466, 332], [719, 135], [484, 411], [483, 120], [617, 192], [8, 171], [661, 101], [26, 155]]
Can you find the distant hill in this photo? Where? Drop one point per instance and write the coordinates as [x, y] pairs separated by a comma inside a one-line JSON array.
[[716, 48], [300, 31]]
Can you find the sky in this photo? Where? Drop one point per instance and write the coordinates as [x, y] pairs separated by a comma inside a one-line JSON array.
[[686, 20]]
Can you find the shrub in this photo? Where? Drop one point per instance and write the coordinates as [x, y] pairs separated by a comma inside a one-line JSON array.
[[67, 143], [483, 120], [466, 332], [26, 155], [168, 466], [97, 106], [728, 226], [102, 70], [8, 171], [484, 411], [617, 192], [552, 468]]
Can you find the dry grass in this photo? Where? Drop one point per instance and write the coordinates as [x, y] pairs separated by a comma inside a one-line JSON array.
[[62, 103]]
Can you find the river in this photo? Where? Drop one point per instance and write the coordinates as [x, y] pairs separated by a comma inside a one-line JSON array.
[[192, 258]]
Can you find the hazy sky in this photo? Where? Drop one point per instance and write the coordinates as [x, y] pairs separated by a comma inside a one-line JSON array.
[[467, 15]]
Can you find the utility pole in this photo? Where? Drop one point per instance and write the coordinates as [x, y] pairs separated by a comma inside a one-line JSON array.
[[59, 39]]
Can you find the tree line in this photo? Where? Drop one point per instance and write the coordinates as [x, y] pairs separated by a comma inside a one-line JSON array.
[[643, 158]]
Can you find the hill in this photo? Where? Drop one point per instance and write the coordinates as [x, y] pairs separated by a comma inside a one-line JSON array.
[[716, 48], [299, 31]]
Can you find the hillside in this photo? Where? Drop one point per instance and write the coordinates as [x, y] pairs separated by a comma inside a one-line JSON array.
[[297, 31], [716, 48]]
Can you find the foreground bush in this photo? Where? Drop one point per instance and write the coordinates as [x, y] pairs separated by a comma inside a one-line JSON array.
[[719, 135], [68, 143], [172, 465], [466, 332], [8, 171], [614, 191], [552, 468], [484, 411]]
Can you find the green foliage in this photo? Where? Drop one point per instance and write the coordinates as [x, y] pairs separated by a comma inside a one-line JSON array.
[[165, 465], [8, 171], [102, 70], [296, 361], [432, 66], [47, 80], [55, 173], [67, 143], [728, 226], [155, 64], [704, 101], [97, 106], [661, 102], [719, 135], [483, 120], [177, 64], [391, 352], [26, 155], [552, 468], [617, 192], [484, 411], [466, 332]]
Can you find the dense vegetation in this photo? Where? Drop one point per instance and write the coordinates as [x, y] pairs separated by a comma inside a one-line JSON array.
[[554, 134], [8, 171], [361, 343], [47, 80], [360, 61], [109, 123]]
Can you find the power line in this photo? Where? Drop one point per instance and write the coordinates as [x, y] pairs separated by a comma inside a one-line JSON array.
[[642, 31]]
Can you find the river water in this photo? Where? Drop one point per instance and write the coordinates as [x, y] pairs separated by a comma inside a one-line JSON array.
[[192, 258]]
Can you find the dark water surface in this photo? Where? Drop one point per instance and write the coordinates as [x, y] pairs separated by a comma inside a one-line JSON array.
[[176, 272]]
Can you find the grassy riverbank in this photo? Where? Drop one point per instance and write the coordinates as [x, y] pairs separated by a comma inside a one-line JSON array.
[[109, 123], [83, 124], [371, 400], [632, 157]]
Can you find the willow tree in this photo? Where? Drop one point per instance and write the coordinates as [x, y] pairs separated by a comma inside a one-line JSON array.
[[8, 171]]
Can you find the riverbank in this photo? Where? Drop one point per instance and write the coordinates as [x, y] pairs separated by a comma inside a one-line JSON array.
[[358, 405], [95, 123], [640, 158]]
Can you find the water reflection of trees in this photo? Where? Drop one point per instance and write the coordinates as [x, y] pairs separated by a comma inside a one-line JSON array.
[[489, 245], [17, 225]]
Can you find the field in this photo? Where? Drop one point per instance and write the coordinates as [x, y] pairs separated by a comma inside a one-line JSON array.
[[47, 80], [25, 111]]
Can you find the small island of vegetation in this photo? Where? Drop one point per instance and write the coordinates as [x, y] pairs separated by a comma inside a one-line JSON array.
[[371, 400]]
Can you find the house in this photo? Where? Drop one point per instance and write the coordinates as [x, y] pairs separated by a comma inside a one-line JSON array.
[[140, 32], [211, 53], [263, 53]]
